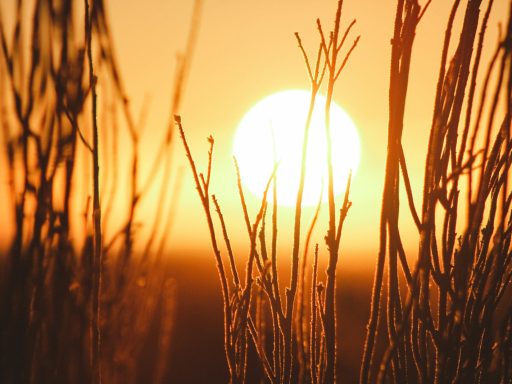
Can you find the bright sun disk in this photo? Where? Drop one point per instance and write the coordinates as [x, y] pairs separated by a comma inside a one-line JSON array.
[[272, 131]]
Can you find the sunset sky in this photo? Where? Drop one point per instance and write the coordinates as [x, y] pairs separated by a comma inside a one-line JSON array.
[[246, 50]]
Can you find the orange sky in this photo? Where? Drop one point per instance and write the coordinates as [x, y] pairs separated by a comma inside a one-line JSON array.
[[246, 50]]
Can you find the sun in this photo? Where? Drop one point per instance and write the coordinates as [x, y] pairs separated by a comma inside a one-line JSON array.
[[272, 132]]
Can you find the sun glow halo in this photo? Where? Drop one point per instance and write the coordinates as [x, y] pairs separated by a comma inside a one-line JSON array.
[[272, 131]]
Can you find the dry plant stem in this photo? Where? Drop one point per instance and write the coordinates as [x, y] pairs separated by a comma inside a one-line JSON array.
[[446, 117], [288, 366], [276, 320], [236, 279], [333, 246], [202, 190], [407, 17], [315, 76], [96, 297], [301, 324], [472, 90], [398, 89], [443, 292]]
